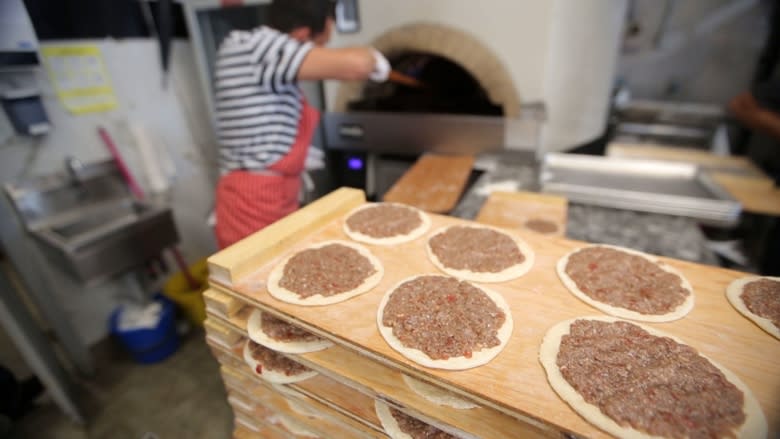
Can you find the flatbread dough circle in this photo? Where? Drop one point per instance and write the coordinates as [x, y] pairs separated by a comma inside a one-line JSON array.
[[734, 293], [255, 330], [297, 406], [273, 376], [681, 311], [507, 274], [478, 358], [755, 425], [437, 395], [388, 421], [390, 240], [288, 296]]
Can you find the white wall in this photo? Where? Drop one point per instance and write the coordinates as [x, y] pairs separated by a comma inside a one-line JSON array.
[[175, 115], [693, 62], [517, 31], [578, 78]]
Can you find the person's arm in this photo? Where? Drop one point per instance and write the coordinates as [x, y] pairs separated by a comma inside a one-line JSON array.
[[350, 64], [747, 110]]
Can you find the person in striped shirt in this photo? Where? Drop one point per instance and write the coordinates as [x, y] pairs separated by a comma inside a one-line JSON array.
[[264, 124]]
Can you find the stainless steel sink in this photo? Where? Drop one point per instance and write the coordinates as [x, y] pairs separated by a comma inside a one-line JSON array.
[[88, 224]]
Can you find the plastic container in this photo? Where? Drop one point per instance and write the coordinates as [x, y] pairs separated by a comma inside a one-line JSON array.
[[190, 301], [149, 345]]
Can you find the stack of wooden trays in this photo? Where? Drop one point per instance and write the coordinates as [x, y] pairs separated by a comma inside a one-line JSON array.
[[511, 392]]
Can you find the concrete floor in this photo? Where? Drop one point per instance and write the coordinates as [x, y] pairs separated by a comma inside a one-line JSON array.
[[182, 397]]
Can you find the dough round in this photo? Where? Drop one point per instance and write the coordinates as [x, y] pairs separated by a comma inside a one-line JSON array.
[[478, 358], [504, 275], [755, 425], [288, 296], [437, 395], [678, 313], [388, 421], [390, 240], [255, 331], [270, 375], [302, 409], [734, 295]]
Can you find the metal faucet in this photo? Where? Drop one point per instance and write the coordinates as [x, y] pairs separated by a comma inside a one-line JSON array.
[[74, 168]]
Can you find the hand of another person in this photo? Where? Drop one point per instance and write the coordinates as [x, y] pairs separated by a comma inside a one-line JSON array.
[[747, 110], [744, 106]]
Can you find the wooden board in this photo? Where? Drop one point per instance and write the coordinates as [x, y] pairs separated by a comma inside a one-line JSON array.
[[255, 424], [514, 209], [221, 333], [757, 195], [434, 183], [262, 432], [321, 388], [262, 399], [224, 305], [239, 378], [515, 381], [370, 380]]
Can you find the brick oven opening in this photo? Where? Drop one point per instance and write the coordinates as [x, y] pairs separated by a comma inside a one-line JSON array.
[[448, 89]]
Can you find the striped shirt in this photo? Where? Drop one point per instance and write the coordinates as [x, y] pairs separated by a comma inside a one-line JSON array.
[[258, 101]]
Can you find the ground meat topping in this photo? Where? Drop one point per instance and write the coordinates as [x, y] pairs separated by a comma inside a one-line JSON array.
[[327, 271], [762, 297], [649, 383], [417, 429], [384, 220], [541, 226], [476, 249], [625, 280], [280, 330], [272, 360], [443, 317]]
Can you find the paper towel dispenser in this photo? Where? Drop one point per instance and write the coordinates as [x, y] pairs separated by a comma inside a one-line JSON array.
[[18, 43]]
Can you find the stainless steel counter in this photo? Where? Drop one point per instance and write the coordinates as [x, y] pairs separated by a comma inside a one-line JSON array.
[[659, 234]]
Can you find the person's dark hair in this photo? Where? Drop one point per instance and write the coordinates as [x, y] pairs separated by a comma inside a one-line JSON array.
[[286, 15]]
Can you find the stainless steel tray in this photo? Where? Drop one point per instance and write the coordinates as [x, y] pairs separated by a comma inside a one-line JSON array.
[[645, 185]]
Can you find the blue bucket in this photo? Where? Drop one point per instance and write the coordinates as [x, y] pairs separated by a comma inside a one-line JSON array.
[[149, 345]]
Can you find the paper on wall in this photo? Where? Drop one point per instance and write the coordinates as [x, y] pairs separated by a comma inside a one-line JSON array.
[[79, 77]]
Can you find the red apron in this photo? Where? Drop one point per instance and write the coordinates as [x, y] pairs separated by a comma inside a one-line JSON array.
[[247, 201]]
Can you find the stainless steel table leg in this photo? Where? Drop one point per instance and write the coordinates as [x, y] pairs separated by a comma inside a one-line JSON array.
[[35, 273], [36, 350]]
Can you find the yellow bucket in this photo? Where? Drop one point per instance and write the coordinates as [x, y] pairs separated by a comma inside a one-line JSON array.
[[190, 301]]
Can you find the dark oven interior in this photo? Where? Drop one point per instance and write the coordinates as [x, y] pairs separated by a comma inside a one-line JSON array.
[[447, 89]]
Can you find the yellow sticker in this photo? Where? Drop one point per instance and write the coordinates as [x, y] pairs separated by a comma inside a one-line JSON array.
[[79, 77]]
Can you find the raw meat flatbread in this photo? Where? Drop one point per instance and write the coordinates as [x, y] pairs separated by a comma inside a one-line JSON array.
[[272, 376], [398, 213], [461, 362], [437, 395], [487, 253], [390, 424], [278, 291], [619, 311], [753, 426], [254, 328], [734, 295]]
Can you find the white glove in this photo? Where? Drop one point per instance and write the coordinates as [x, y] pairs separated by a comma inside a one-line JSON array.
[[381, 67]]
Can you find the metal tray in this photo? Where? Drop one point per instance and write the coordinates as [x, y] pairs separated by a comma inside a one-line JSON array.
[[644, 185]]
